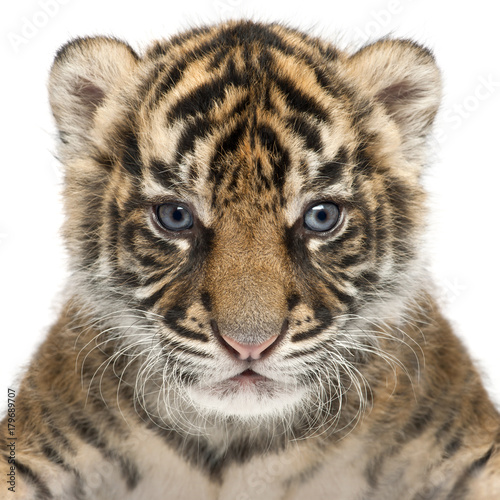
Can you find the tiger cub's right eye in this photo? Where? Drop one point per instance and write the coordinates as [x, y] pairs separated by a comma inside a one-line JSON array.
[[174, 216]]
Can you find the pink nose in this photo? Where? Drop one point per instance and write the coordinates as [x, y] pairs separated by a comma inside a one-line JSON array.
[[249, 351]]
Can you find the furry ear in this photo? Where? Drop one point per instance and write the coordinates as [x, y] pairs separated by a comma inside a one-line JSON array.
[[84, 73], [403, 77]]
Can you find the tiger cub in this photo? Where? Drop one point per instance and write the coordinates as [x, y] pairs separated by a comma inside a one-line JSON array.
[[248, 314]]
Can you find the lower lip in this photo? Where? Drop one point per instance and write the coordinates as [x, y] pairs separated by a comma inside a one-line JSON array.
[[248, 377]]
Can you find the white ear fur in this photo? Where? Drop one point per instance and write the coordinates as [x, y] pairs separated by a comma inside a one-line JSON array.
[[84, 73], [403, 77]]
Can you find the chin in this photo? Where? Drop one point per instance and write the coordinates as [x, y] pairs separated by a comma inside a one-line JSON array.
[[247, 397]]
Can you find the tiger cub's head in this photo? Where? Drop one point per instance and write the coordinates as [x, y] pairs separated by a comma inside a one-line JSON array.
[[244, 208]]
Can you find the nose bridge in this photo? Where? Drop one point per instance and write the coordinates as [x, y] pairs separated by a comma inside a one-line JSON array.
[[247, 279]]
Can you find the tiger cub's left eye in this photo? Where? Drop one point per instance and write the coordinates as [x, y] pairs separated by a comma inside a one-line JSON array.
[[322, 217], [174, 217]]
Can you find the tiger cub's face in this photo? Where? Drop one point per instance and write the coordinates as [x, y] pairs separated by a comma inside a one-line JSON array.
[[243, 208]]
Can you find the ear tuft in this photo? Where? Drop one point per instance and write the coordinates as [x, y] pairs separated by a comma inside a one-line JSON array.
[[85, 72], [403, 77]]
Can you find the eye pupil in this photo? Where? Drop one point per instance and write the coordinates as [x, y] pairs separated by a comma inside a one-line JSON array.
[[322, 217], [174, 217]]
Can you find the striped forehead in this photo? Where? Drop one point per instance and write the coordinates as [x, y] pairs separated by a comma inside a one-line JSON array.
[[260, 166], [246, 119]]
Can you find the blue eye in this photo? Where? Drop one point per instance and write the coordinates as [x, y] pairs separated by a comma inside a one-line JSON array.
[[322, 217], [174, 217]]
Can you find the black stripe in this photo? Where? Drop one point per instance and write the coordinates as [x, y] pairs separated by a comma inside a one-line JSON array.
[[43, 492], [297, 100], [460, 489], [296, 245], [362, 160], [351, 232], [367, 281], [168, 80], [158, 49], [231, 142], [172, 318], [155, 277], [87, 432], [233, 184], [53, 455], [206, 300], [321, 314], [344, 298], [132, 239], [267, 137], [57, 435], [186, 332], [200, 100], [228, 145], [262, 182], [345, 261], [293, 300], [373, 470], [218, 58], [447, 427], [171, 345], [328, 51], [481, 462], [307, 130], [305, 352], [452, 446], [279, 158], [197, 127], [164, 174], [241, 106], [129, 472], [151, 301], [104, 160], [131, 156], [150, 263], [333, 171], [123, 278], [419, 420]]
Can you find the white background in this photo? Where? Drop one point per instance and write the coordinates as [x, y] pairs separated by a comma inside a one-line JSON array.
[[463, 178]]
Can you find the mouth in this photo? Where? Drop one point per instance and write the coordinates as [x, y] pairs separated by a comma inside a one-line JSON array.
[[248, 377], [246, 394]]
